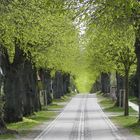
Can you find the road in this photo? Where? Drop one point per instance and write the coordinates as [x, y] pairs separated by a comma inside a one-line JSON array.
[[81, 119]]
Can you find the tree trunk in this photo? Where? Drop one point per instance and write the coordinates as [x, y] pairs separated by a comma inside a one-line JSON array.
[[67, 83], [126, 106], [3, 127], [26, 91], [137, 51], [20, 86], [120, 85], [43, 86], [133, 86], [105, 83], [61, 84], [36, 101], [30, 91], [12, 88], [48, 87], [96, 86], [34, 89], [57, 85]]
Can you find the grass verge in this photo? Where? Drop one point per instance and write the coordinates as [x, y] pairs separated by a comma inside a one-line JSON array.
[[28, 123], [130, 122], [133, 99]]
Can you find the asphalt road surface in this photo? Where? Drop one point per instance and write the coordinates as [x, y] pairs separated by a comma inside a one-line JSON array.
[[81, 119]]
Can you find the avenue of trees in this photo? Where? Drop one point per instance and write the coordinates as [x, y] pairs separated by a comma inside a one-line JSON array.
[[51, 45]]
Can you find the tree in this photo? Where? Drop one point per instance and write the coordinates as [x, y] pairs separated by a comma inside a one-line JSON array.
[[113, 51], [35, 36], [118, 14]]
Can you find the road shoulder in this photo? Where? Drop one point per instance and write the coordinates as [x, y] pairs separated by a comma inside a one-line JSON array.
[[116, 116], [39, 129], [55, 108]]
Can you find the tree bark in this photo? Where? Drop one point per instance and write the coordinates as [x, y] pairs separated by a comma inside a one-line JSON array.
[[57, 85], [3, 128], [67, 83], [43, 85], [12, 88], [126, 106], [120, 85], [96, 86], [133, 90], [30, 90], [48, 86], [105, 83], [137, 51]]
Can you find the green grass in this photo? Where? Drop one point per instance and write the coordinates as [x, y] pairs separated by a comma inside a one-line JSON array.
[[129, 122], [7, 136], [25, 126], [64, 98], [28, 123], [55, 106], [133, 99], [106, 102], [109, 106]]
